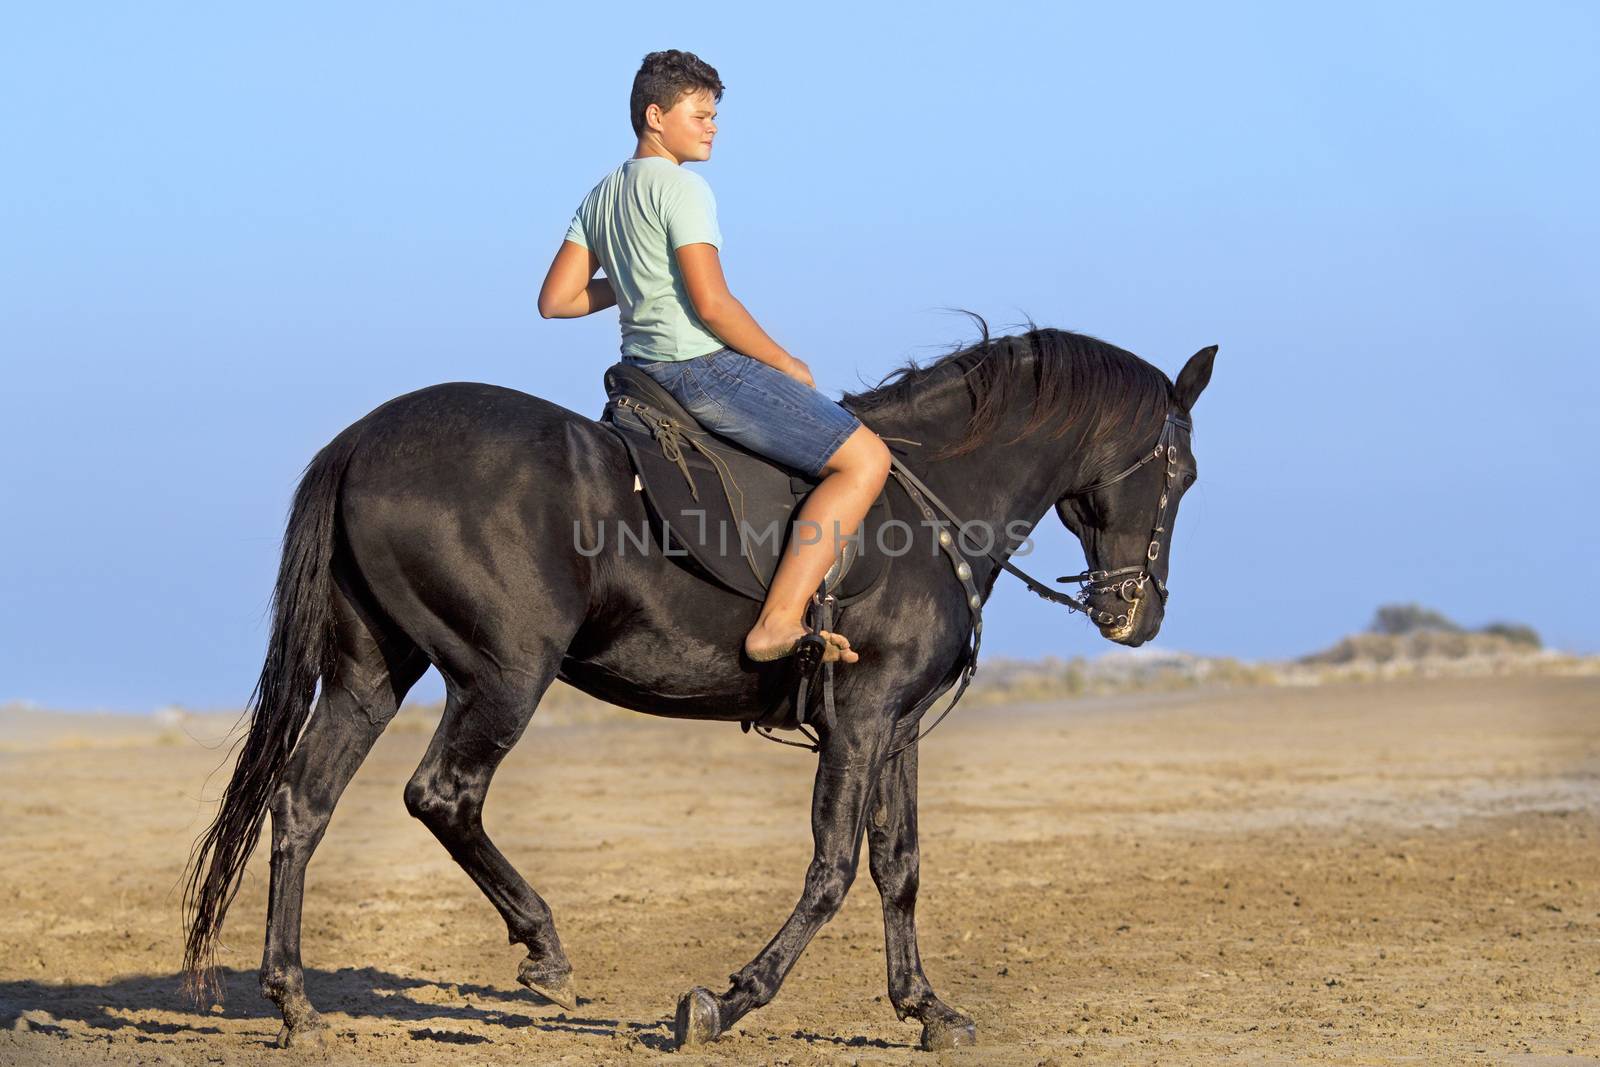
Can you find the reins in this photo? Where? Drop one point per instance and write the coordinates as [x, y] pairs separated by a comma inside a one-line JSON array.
[[1130, 588]]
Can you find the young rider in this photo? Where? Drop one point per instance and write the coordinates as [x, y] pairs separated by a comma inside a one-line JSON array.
[[651, 224]]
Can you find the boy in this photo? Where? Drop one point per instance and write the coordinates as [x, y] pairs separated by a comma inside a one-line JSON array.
[[652, 225]]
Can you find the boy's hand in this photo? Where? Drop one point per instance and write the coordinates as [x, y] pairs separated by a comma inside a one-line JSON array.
[[798, 370]]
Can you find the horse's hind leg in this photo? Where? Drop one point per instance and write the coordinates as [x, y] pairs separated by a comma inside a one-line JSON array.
[[371, 677], [894, 857], [482, 721]]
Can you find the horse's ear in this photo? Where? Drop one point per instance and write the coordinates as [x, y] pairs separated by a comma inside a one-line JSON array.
[[1193, 378]]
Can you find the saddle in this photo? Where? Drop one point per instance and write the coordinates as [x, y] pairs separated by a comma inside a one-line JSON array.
[[719, 510]]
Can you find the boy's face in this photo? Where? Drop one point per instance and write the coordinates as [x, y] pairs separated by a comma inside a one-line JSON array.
[[688, 129]]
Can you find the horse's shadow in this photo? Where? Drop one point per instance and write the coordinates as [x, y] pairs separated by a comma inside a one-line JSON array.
[[364, 992]]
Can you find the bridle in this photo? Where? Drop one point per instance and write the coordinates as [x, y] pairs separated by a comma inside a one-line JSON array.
[[1128, 582], [1134, 578]]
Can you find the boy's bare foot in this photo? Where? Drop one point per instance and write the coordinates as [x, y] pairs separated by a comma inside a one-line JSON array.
[[772, 641]]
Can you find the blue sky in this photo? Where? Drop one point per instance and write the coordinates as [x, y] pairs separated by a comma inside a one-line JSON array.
[[229, 232]]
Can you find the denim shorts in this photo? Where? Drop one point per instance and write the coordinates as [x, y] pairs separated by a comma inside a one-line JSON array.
[[756, 405]]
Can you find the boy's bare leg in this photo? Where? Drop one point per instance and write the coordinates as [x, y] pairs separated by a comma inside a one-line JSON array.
[[853, 479]]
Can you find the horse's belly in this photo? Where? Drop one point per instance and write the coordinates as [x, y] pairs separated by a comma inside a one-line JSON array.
[[652, 687]]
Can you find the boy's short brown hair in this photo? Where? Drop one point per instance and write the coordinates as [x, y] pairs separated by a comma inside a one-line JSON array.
[[664, 77]]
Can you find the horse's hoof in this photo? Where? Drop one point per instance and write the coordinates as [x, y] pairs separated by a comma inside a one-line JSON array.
[[698, 1021], [954, 1031], [312, 1034], [554, 986]]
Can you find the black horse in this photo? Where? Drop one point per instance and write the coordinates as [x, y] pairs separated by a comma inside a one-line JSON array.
[[438, 530]]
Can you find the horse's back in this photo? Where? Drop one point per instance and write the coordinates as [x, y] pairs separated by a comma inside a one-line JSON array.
[[467, 414], [459, 494], [466, 436]]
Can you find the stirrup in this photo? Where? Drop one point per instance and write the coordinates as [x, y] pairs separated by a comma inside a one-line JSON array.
[[821, 606]]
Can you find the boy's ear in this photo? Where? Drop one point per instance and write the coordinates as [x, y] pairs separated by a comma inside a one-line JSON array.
[[1193, 378]]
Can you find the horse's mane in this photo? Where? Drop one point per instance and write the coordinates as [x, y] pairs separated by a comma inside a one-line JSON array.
[[1077, 381]]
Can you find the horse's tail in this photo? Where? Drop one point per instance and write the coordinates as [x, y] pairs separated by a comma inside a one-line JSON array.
[[299, 652]]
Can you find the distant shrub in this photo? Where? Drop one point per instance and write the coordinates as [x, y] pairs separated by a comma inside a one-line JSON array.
[[1404, 620], [1515, 632], [1399, 619]]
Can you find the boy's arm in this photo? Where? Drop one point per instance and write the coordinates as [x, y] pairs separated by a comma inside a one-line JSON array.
[[571, 289], [724, 316]]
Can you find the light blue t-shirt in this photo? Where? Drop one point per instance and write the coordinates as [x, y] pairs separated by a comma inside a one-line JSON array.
[[634, 221]]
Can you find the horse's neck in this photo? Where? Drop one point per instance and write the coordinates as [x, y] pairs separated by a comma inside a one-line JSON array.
[[1008, 485]]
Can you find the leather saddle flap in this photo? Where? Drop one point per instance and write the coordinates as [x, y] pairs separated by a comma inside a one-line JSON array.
[[704, 491]]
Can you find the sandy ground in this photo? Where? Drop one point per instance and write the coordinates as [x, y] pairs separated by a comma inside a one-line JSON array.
[[1386, 873]]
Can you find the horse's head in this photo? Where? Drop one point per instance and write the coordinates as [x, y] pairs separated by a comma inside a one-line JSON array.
[[1125, 519]]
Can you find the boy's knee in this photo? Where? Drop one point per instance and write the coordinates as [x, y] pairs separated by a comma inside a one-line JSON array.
[[875, 463], [863, 455]]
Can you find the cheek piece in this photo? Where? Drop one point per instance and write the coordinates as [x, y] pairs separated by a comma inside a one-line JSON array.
[[1134, 579]]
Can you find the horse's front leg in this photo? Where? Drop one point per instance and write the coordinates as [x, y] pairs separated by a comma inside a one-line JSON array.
[[895, 860], [847, 772]]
